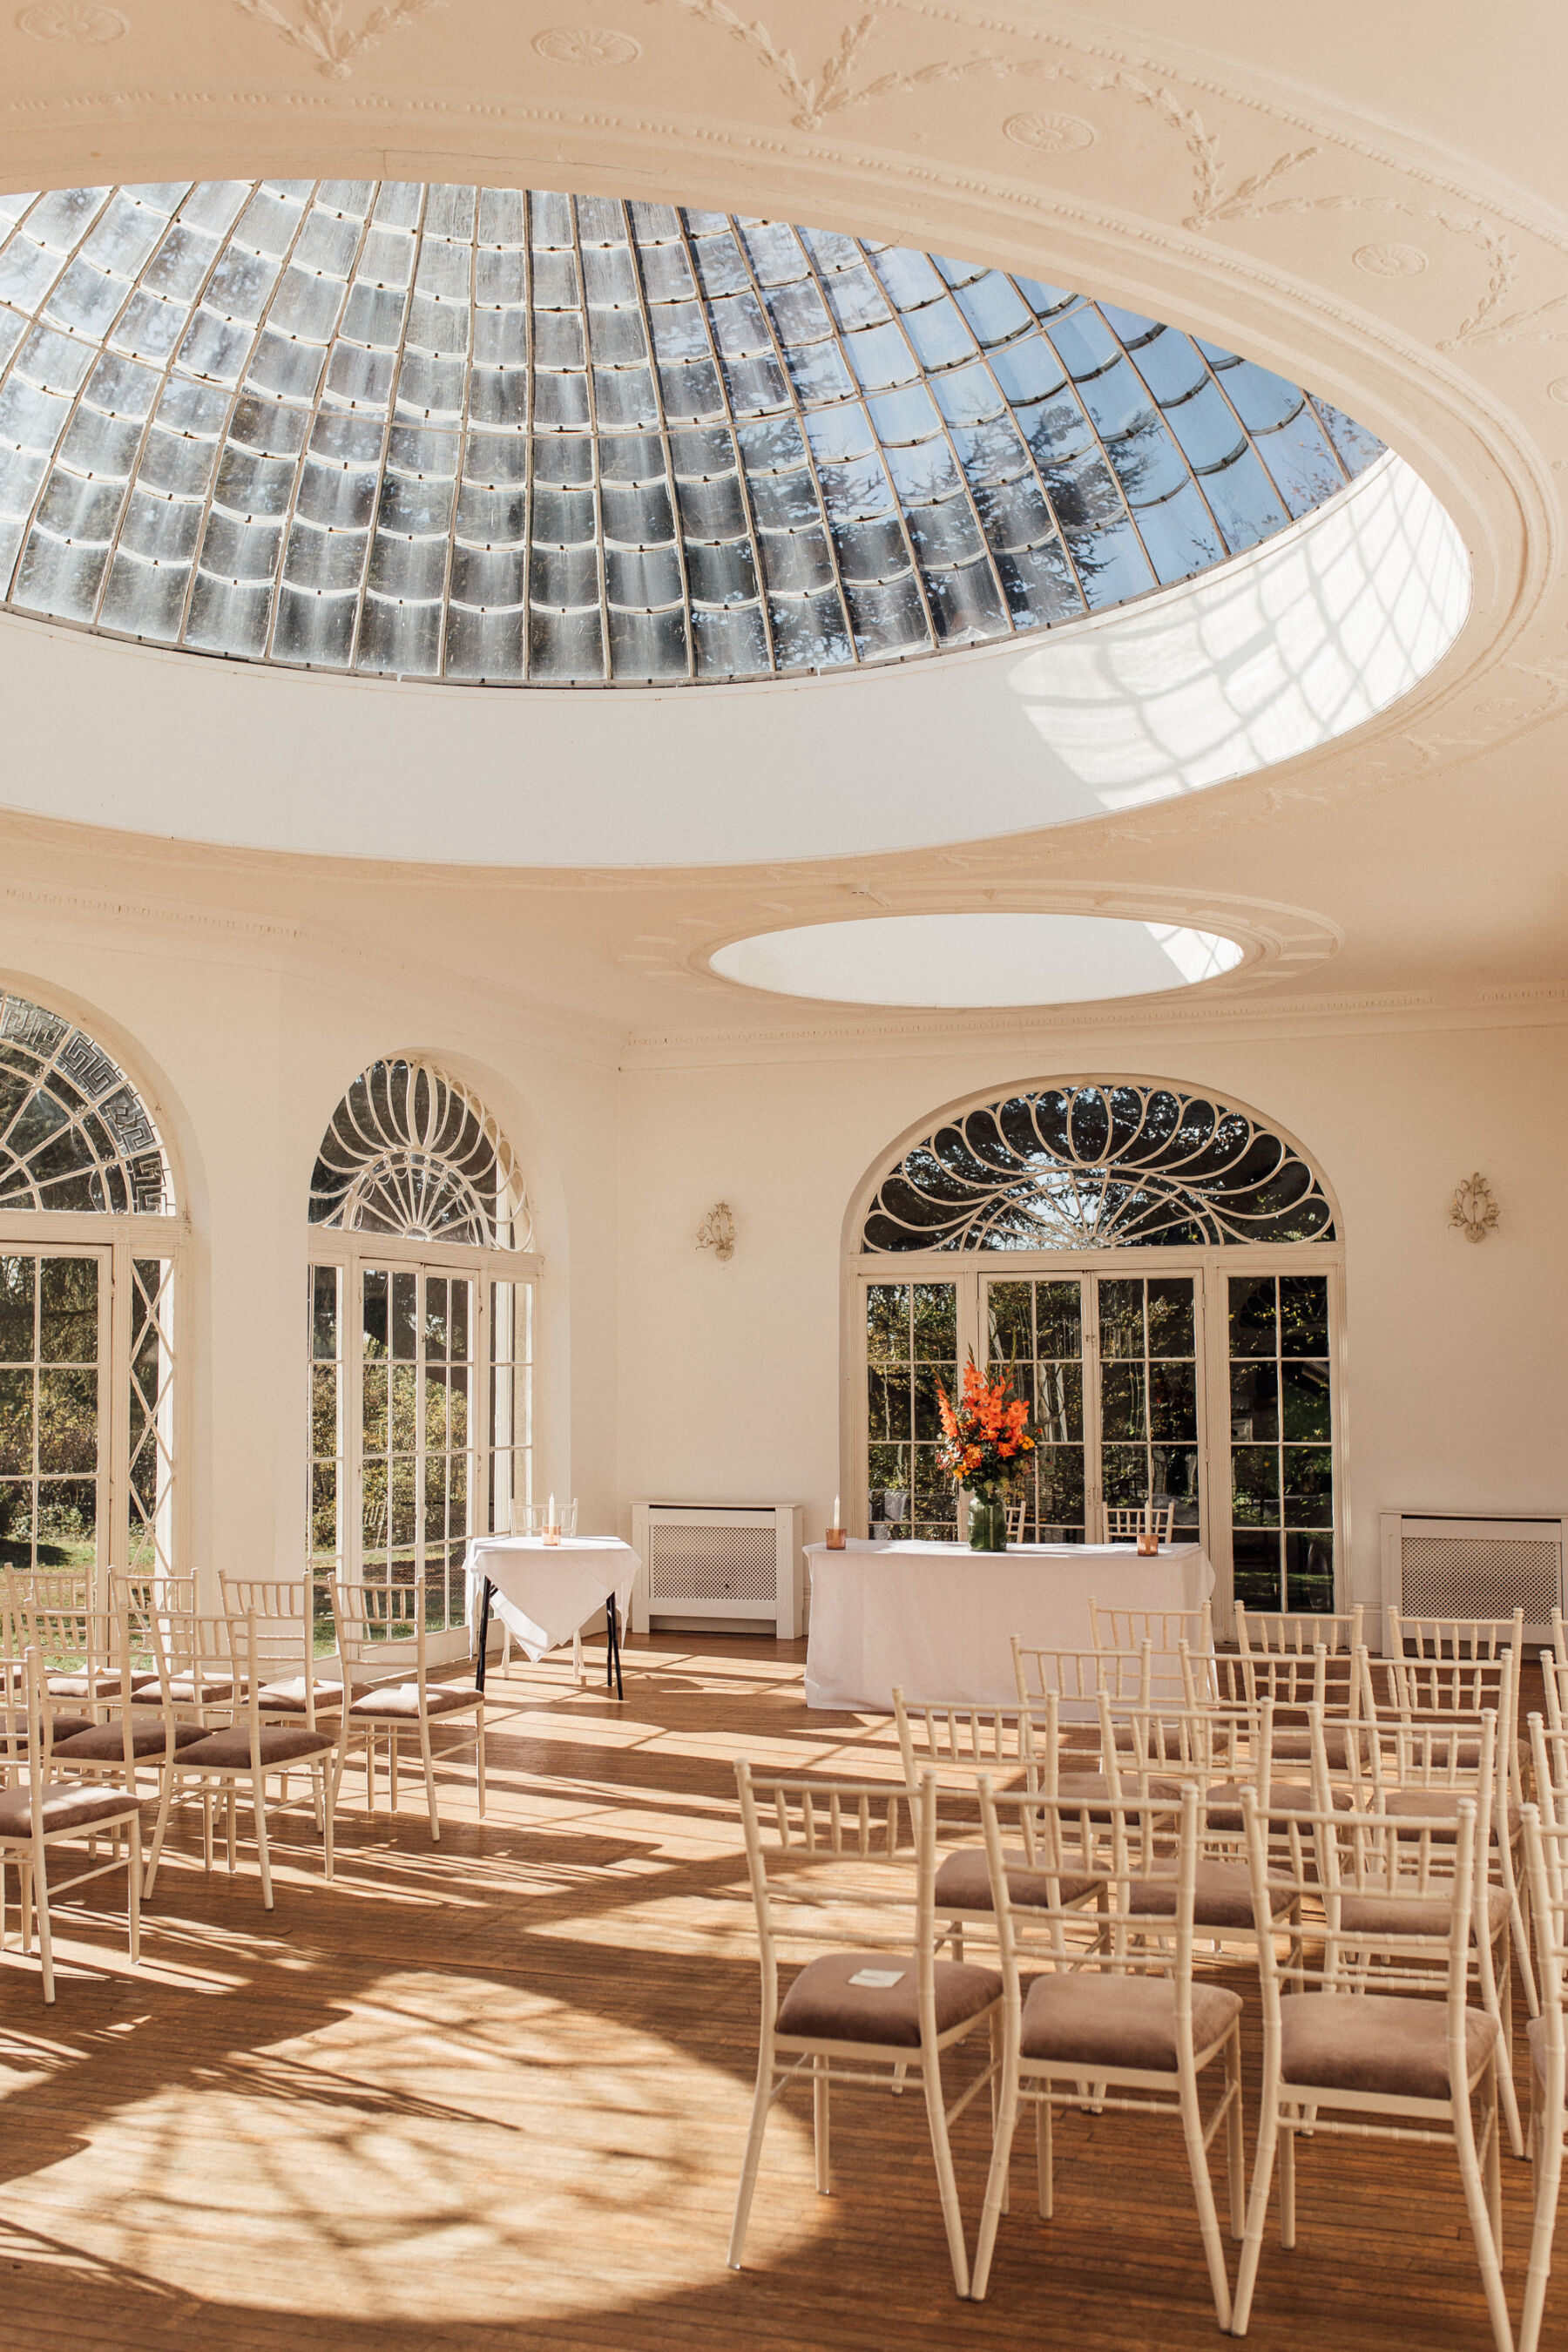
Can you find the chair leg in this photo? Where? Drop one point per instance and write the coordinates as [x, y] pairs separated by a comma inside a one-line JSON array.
[[996, 2203], [391, 1770], [479, 1757], [821, 2126], [1044, 2155], [1288, 2190], [165, 1799], [430, 1780], [1203, 2189], [1497, 1994], [1258, 2206], [40, 1875], [1548, 2178], [942, 2150], [329, 1807], [761, 2103], [1478, 2204], [1235, 2152], [134, 1893], [259, 1809]]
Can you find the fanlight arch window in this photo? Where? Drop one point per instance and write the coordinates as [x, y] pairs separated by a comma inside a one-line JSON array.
[[421, 1335], [75, 1134], [1114, 1165], [410, 1151], [1159, 1273], [89, 1352]]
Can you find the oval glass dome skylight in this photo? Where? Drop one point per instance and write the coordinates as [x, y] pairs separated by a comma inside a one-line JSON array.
[[493, 436], [977, 960]]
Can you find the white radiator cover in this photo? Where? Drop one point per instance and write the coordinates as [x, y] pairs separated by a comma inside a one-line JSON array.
[[718, 1563], [1436, 1566]]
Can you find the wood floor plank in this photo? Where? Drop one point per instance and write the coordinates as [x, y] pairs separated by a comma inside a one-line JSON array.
[[494, 2093]]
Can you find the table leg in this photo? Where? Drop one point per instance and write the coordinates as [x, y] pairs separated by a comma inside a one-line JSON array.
[[484, 1634], [613, 1648]]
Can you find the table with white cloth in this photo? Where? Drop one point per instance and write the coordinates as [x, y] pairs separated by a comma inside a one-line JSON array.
[[936, 1618], [544, 1593]]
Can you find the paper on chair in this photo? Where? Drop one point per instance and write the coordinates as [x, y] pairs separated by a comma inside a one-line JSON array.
[[878, 1979]]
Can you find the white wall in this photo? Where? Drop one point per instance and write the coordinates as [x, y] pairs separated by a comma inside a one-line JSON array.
[[1457, 1378]]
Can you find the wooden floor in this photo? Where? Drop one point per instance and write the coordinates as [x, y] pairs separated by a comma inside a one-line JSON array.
[[494, 2093]]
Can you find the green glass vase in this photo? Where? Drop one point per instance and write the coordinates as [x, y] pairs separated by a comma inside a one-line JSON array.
[[987, 1522]]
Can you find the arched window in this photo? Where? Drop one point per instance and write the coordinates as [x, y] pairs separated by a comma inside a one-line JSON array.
[[421, 1321], [89, 1243], [1161, 1271]]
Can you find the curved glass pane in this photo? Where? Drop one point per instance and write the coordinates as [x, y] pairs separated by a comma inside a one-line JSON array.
[[409, 1151], [1107, 1165], [74, 1132], [503, 437]]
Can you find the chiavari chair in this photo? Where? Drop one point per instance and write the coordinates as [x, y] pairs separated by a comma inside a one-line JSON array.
[[1546, 1869], [370, 1618]]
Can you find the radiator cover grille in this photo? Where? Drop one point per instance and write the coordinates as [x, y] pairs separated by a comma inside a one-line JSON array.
[[1479, 1576], [711, 1563]]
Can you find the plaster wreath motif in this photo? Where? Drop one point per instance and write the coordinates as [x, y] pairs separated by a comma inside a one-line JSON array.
[[81, 22], [1390, 260], [1054, 134], [321, 32], [586, 45]]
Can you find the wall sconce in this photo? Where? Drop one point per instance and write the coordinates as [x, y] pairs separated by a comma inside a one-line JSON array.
[[717, 1232], [1475, 1212]]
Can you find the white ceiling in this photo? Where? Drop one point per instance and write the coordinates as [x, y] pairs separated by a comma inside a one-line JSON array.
[[1374, 209]]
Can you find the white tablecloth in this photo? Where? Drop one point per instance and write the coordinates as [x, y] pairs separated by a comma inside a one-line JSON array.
[[546, 1592], [936, 1617]]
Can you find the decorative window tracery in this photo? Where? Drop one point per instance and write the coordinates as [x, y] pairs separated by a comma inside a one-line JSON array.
[[410, 1152], [1104, 1165], [74, 1132]]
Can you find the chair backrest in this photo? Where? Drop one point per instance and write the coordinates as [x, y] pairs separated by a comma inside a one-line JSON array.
[[1077, 1677], [1163, 1629], [1102, 1847], [369, 1616], [283, 1609], [1453, 1641], [1124, 1523], [1296, 1632], [1546, 1877], [1326, 1855], [1459, 1686], [848, 1865], [75, 1641], [1555, 1688], [1016, 1519], [1209, 1745], [956, 1741]]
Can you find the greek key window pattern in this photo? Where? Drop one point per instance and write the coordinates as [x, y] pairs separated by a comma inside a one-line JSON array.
[[411, 1153], [501, 437], [74, 1132], [1107, 1164]]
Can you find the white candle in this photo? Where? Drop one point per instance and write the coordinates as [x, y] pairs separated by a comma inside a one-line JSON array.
[[550, 1512], [837, 1520]]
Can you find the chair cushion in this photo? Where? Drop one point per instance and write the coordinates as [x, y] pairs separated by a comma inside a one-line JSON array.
[[1372, 1915], [1375, 2041], [65, 1807], [1296, 1747], [230, 1751], [963, 1883], [288, 1697], [1109, 2021], [1285, 1796], [13, 1725], [104, 1743], [1439, 1805], [822, 2005], [1088, 1788], [1222, 1896], [401, 1703], [186, 1691], [97, 1686]]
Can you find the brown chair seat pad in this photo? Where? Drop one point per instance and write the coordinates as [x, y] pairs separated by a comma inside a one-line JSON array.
[[1371, 1915], [287, 1696], [230, 1751], [963, 1883], [822, 2005], [64, 1808], [1222, 1896], [1296, 1747], [1375, 2041], [186, 1690], [1285, 1797], [1120, 2020], [104, 1743], [13, 1725], [401, 1703], [1089, 1788], [1436, 1805], [97, 1686]]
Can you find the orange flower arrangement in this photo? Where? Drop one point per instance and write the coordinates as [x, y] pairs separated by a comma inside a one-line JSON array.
[[987, 1434]]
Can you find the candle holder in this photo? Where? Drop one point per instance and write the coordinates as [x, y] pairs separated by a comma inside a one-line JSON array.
[[552, 1531], [1148, 1543], [837, 1538]]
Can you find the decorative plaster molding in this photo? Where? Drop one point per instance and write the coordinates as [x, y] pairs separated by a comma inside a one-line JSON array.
[[586, 45], [1475, 1208], [81, 22], [101, 905], [320, 29]]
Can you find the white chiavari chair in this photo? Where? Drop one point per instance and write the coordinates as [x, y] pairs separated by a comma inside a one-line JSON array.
[[1116, 2025], [369, 1619], [829, 1867], [1402, 2062], [1546, 1869], [1124, 1523]]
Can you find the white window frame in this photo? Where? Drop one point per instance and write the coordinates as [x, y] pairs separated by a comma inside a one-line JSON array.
[[116, 1238], [349, 1253], [968, 1269]]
